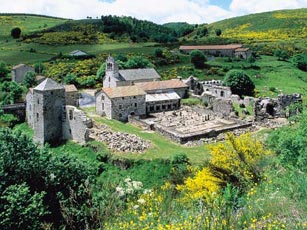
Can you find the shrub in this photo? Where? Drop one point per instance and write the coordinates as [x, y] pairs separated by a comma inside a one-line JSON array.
[[300, 61], [16, 32], [239, 83], [198, 59]]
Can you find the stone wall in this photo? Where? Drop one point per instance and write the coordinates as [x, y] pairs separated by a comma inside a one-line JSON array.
[[120, 108], [72, 98], [266, 108], [218, 91], [47, 110], [76, 125], [19, 73], [222, 107]]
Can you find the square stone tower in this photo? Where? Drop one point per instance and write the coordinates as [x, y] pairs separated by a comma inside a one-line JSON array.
[[48, 103]]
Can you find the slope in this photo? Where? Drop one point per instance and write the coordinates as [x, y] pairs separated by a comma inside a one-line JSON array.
[[268, 26]]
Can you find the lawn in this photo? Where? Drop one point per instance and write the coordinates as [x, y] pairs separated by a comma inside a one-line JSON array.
[[161, 146]]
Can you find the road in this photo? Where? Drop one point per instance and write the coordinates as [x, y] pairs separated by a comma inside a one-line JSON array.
[[87, 99]]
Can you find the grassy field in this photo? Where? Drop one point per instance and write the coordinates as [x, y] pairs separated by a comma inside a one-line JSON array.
[[269, 73], [13, 52]]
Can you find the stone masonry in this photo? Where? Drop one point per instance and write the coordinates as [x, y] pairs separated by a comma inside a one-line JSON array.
[[47, 114]]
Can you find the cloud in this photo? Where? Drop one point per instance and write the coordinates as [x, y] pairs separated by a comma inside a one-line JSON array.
[[159, 11], [241, 7]]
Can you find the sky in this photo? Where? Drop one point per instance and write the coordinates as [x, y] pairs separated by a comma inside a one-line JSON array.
[[158, 11]]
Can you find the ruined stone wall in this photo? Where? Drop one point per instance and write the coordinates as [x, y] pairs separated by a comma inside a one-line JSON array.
[[218, 91], [266, 108], [71, 98], [76, 125], [48, 109], [222, 107]]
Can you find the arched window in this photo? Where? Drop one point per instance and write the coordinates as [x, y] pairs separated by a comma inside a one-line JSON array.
[[222, 94]]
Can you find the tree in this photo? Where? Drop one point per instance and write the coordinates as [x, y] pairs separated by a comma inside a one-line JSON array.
[[204, 32], [239, 83], [21, 210], [29, 79], [22, 161], [3, 72], [39, 67], [70, 79], [16, 32], [198, 59], [218, 32], [10, 92], [101, 71], [137, 62]]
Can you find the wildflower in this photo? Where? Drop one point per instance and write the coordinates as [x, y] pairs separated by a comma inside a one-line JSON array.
[[141, 201]]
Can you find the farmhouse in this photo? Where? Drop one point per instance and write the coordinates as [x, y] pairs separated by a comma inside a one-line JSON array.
[[115, 77], [19, 71], [52, 120], [231, 50]]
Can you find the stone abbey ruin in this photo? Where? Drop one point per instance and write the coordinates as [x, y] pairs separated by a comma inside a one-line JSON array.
[[140, 96]]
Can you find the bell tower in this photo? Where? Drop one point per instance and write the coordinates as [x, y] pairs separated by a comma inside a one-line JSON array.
[[112, 73]]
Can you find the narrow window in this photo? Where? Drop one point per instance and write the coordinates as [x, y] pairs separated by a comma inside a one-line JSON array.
[[102, 97], [70, 115], [102, 106], [120, 106], [37, 116], [135, 104]]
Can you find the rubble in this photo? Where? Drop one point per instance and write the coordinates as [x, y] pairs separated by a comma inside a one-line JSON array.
[[118, 141]]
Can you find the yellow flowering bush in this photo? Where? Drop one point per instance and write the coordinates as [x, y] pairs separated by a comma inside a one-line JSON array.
[[236, 161]]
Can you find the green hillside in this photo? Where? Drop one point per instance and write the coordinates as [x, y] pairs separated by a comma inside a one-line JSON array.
[[268, 26], [107, 29], [27, 23]]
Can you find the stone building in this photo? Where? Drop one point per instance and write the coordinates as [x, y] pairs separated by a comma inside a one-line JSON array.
[[230, 50], [115, 77], [120, 102], [19, 71], [71, 95], [47, 114]]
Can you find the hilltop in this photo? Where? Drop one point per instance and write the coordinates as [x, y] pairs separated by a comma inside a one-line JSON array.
[[282, 25], [28, 23]]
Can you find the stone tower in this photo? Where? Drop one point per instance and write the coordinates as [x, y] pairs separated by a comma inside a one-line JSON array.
[[48, 103], [112, 73]]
